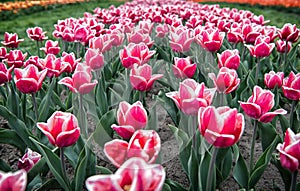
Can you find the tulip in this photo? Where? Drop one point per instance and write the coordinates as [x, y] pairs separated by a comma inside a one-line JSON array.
[[81, 81], [61, 129], [15, 58], [289, 33], [70, 60], [291, 86], [141, 77], [135, 54], [103, 43], [144, 144], [194, 21], [13, 180], [117, 37], [54, 65], [94, 58], [183, 67], [161, 30], [29, 159], [51, 47], [29, 79], [250, 33], [234, 35], [259, 104], [261, 48], [130, 118], [82, 34], [290, 151], [134, 174], [11, 40], [226, 81], [137, 36], [3, 53], [222, 126], [273, 79], [36, 34], [281, 46], [191, 96], [229, 59], [5, 74], [210, 39], [181, 40], [270, 31], [34, 60]]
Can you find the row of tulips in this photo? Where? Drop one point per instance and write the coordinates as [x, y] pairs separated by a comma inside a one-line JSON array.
[[285, 3], [218, 72]]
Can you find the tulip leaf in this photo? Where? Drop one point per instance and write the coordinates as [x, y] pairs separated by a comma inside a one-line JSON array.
[[44, 108], [162, 53], [174, 185], [251, 78], [36, 169], [80, 171], [49, 185], [203, 172], [286, 175], [71, 154], [169, 106], [57, 101], [166, 187], [240, 172], [4, 166], [223, 163], [103, 170], [101, 97], [53, 161], [8, 136], [193, 169], [284, 123], [262, 163], [13, 101], [268, 134]]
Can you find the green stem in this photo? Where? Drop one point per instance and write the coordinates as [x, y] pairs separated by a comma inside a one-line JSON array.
[[294, 181], [257, 71], [211, 169], [38, 48], [292, 115], [253, 145], [78, 50], [82, 126], [194, 128], [285, 56], [35, 106], [62, 162]]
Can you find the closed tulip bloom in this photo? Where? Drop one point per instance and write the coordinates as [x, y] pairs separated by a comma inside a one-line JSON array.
[[82, 34], [270, 31], [289, 151], [15, 58], [135, 174], [273, 79], [29, 79], [34, 60], [130, 118], [70, 60], [250, 33], [3, 53], [291, 86], [184, 68], [144, 144], [191, 96], [51, 47], [81, 81], [261, 48], [259, 104], [29, 159], [36, 33], [102, 42], [11, 40], [181, 40], [135, 54], [210, 39], [289, 33], [5, 74], [141, 77], [226, 81], [229, 59], [61, 129], [13, 180], [137, 36], [281, 46], [117, 37], [234, 35], [94, 58], [222, 126]]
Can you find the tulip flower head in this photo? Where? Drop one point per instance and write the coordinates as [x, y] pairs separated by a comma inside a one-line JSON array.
[[184, 68], [54, 65], [229, 59], [281, 46], [3, 53], [51, 47], [11, 40], [222, 126], [261, 48], [134, 174], [291, 86], [290, 151], [13, 180], [36, 33], [259, 104], [29, 159], [273, 79], [130, 118], [5, 74], [289, 33], [210, 39], [94, 58], [15, 58], [70, 60], [61, 129], [181, 39]]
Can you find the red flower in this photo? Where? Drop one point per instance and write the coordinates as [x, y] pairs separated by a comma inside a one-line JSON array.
[[94, 58], [15, 58], [5, 74], [70, 60], [13, 181], [54, 65], [229, 59], [103, 43], [273, 79], [180, 39], [29, 159], [262, 47], [289, 32], [210, 39], [221, 127], [281, 46], [184, 68], [3, 53], [51, 47], [61, 129], [291, 86], [36, 34], [11, 40]]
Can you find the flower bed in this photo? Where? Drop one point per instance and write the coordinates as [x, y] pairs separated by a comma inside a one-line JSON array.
[[285, 3], [98, 93]]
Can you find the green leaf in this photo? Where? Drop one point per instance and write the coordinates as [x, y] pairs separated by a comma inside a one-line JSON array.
[[251, 78], [58, 102], [203, 172], [174, 185], [4, 166], [285, 174], [8, 136], [80, 171], [268, 134], [284, 123], [36, 169], [193, 169], [166, 187], [44, 107], [162, 53], [169, 106], [103, 170], [101, 97], [49, 185], [240, 172], [224, 164], [13, 101], [53, 162]]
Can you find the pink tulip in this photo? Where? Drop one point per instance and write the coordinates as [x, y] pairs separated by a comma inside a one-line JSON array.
[[3, 53], [94, 58], [135, 54], [81, 81], [259, 105], [117, 37], [137, 36], [11, 40], [250, 33], [161, 30], [191, 96], [234, 35], [51, 47], [54, 65], [290, 151], [135, 174], [184, 68], [281, 46], [222, 126], [261, 48], [36, 33], [5, 74], [144, 144], [82, 34], [229, 59], [210, 39], [29, 159], [34, 60], [194, 21], [141, 77], [226, 81], [61, 129], [270, 31], [102, 42], [273, 79], [291, 86], [180, 39], [70, 60], [130, 118], [15, 181], [289, 33], [15, 58], [29, 79]]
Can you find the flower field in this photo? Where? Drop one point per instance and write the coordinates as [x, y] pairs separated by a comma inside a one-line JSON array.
[[104, 88]]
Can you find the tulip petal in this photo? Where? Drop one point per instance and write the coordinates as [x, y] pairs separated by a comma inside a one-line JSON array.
[[268, 117], [103, 183], [27, 85], [116, 151], [67, 138], [87, 87], [67, 81], [251, 109], [125, 131]]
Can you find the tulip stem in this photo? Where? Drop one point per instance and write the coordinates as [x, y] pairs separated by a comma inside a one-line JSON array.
[[38, 48], [294, 181], [62, 162], [285, 56], [292, 115], [194, 128], [83, 127], [257, 71], [211, 168], [35, 106], [253, 145]]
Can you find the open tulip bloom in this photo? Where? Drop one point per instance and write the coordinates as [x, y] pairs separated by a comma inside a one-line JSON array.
[[184, 68], [29, 159], [15, 181], [11, 40]]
